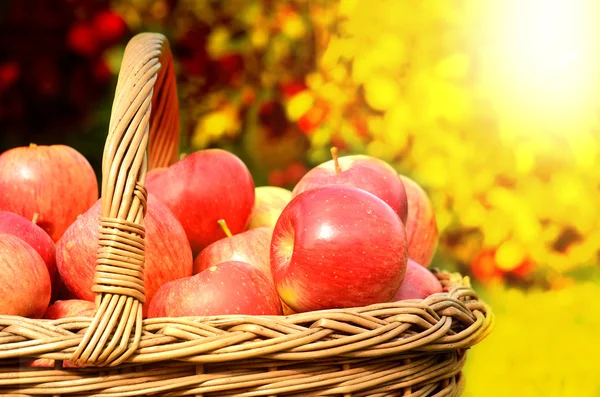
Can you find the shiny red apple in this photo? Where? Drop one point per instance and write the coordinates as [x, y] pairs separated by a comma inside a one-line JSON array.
[[268, 204], [33, 235], [251, 246], [70, 308], [154, 173], [24, 280], [63, 309], [230, 288], [418, 283], [167, 252], [364, 172], [202, 188], [337, 246], [421, 227], [56, 182]]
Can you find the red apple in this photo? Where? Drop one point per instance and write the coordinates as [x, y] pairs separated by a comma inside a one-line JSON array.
[[230, 288], [70, 308], [421, 227], [56, 182], [268, 204], [39, 363], [202, 188], [63, 309], [33, 235], [63, 292], [167, 251], [364, 172], [418, 283], [24, 280], [46, 363], [337, 246], [251, 246], [154, 173], [286, 309]]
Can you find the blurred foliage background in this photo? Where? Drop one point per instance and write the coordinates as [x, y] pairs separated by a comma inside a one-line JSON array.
[[491, 105]]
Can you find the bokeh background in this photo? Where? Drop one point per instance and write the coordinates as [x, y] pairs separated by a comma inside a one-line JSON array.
[[493, 106]]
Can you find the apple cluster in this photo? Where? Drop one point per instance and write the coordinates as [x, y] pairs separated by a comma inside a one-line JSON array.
[[353, 232]]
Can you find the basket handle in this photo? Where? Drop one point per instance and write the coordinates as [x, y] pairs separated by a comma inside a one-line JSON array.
[[138, 139]]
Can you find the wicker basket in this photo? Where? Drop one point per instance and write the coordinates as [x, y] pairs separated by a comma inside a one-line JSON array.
[[409, 348]]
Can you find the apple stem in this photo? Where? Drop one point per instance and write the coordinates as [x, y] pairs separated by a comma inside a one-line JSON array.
[[336, 163], [35, 218], [225, 228]]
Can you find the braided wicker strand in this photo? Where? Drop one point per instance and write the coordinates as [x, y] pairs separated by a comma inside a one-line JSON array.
[[115, 332], [163, 145]]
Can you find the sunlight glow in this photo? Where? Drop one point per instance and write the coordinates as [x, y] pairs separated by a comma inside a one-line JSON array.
[[543, 57]]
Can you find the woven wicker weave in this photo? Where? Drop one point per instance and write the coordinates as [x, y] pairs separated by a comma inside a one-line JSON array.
[[409, 348]]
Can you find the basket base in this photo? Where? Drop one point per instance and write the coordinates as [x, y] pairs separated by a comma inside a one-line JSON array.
[[415, 375]]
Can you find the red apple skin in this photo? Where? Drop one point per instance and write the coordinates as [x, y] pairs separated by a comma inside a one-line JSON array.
[[268, 204], [364, 172], [231, 288], [251, 246], [287, 311], [70, 308], [63, 292], [154, 173], [46, 363], [33, 235], [202, 188], [56, 182], [336, 247], [24, 280], [63, 309], [418, 283], [167, 251], [421, 227]]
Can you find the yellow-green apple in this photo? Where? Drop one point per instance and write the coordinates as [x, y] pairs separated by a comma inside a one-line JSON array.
[[56, 182], [70, 308], [33, 235], [361, 171], [251, 246], [268, 204], [418, 283], [167, 252], [337, 246], [202, 188], [24, 279], [231, 288], [421, 227]]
